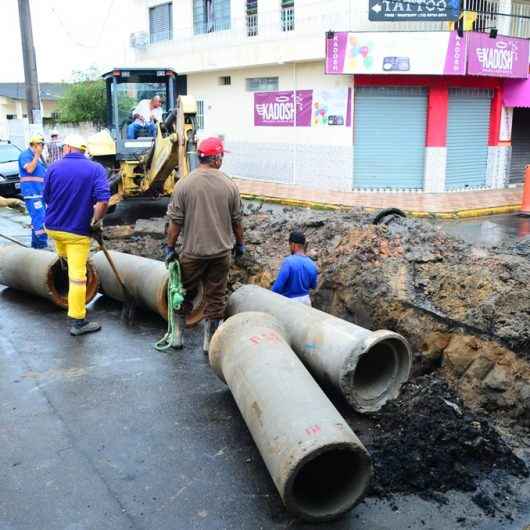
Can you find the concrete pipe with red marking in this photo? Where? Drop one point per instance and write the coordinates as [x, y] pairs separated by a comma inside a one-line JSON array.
[[146, 280], [368, 367], [320, 468], [40, 273]]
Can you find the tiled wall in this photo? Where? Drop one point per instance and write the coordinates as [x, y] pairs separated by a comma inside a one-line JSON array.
[[315, 166]]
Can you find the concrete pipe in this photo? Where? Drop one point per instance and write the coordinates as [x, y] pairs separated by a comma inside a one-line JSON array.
[[146, 280], [368, 367], [39, 272], [320, 468]]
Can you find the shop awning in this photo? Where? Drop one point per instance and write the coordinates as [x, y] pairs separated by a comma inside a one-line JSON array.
[[516, 93]]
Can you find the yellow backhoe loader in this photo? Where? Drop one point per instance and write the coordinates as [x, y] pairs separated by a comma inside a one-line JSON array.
[[143, 164]]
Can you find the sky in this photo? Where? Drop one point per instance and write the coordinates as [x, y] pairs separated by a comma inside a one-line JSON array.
[[69, 35]]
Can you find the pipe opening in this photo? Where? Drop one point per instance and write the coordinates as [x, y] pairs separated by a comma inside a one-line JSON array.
[[330, 483], [58, 283], [376, 370]]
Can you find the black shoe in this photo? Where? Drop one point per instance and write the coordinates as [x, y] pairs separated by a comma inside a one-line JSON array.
[[82, 326]]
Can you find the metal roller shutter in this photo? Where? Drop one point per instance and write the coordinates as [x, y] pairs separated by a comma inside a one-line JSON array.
[[467, 138], [520, 145], [389, 150]]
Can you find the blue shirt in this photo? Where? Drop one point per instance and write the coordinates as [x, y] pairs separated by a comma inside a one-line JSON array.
[[298, 274], [71, 188], [31, 184]]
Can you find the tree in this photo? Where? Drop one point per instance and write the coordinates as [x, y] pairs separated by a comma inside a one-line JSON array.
[[83, 101]]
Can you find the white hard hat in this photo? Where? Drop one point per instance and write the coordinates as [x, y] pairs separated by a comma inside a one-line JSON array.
[[75, 140], [55, 132]]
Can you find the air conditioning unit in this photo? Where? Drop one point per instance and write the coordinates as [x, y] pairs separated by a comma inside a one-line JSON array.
[[139, 40]]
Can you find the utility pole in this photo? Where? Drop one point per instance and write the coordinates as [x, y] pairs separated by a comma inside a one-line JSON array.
[[30, 63]]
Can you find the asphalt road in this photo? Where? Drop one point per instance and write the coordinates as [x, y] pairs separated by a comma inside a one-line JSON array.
[[104, 432]]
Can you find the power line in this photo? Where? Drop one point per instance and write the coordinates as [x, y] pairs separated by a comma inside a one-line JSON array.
[[73, 39]]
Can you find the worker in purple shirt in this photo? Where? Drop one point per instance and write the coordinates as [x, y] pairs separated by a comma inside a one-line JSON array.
[[298, 273], [77, 193]]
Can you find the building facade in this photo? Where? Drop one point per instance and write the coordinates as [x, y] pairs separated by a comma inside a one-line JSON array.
[[13, 108], [258, 70]]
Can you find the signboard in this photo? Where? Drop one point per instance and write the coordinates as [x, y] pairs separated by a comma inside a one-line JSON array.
[[303, 108], [424, 10], [499, 57], [414, 53]]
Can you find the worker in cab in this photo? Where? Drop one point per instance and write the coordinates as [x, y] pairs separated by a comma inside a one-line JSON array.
[[298, 273], [205, 210], [145, 115], [32, 169], [77, 192]]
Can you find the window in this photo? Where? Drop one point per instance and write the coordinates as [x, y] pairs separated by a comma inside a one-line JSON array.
[[199, 117], [287, 15], [252, 18], [11, 116], [161, 22], [8, 153], [225, 80], [211, 15], [262, 84]]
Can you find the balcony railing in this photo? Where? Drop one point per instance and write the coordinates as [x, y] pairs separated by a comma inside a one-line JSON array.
[[212, 26], [252, 25], [287, 19], [520, 27]]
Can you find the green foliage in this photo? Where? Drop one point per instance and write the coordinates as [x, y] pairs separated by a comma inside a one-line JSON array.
[[83, 101]]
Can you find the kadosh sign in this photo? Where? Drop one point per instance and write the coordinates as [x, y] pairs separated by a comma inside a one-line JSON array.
[[499, 57], [303, 108]]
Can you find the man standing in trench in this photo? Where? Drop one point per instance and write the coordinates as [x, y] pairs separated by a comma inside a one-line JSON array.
[[206, 209], [77, 192]]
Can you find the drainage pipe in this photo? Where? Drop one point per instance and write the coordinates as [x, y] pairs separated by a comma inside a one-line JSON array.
[[318, 465], [145, 279], [39, 272], [368, 367]]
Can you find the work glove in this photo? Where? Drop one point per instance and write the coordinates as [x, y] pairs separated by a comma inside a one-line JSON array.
[[170, 254], [238, 250], [96, 229]]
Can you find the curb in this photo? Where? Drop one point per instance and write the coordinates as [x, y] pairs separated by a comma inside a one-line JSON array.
[[457, 214]]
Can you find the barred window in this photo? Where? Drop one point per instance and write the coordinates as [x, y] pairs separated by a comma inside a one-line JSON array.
[[262, 84], [199, 117], [210, 16]]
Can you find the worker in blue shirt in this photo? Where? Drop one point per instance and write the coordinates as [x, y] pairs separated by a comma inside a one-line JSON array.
[[32, 170], [298, 273]]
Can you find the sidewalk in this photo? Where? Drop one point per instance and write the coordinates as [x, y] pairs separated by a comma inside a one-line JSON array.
[[440, 205]]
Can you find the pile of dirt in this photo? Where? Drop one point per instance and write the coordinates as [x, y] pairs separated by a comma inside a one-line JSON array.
[[464, 309], [427, 442]]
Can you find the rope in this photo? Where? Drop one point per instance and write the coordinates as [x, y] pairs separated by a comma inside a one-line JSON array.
[[175, 297]]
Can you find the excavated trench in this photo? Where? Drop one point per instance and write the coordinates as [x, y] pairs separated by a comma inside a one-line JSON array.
[[464, 310]]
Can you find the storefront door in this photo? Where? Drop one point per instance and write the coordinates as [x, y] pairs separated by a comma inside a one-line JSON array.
[[389, 137], [467, 138], [520, 144]]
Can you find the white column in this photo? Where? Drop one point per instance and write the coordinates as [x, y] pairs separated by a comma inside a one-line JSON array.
[[435, 165]]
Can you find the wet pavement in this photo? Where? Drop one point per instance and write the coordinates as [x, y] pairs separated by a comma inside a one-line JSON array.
[[105, 432], [490, 231]]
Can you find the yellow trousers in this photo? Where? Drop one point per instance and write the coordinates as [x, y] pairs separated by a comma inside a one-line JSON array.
[[75, 249]]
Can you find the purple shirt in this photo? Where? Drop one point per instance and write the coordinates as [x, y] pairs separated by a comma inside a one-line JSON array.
[[71, 188]]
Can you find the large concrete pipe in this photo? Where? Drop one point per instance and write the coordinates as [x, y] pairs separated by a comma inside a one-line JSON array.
[[146, 280], [39, 272], [368, 367], [318, 465]]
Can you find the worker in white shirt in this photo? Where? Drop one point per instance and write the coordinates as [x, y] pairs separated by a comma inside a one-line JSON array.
[[146, 113]]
